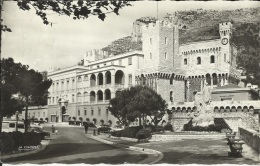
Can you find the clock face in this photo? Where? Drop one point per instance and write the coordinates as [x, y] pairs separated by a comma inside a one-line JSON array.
[[224, 41]]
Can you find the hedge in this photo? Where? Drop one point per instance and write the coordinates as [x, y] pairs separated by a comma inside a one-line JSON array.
[[143, 134], [12, 141]]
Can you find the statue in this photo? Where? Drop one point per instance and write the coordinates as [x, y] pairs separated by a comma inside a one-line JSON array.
[[203, 116]]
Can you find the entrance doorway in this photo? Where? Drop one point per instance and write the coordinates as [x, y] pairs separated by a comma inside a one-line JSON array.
[[65, 118], [54, 118]]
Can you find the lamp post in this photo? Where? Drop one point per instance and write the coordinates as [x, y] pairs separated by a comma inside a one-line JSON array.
[[16, 115]]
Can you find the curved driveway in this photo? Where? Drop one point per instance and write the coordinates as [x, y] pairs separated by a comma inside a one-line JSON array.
[[71, 146]]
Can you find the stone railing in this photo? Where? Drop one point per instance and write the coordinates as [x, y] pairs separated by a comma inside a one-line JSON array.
[[254, 103], [251, 137]]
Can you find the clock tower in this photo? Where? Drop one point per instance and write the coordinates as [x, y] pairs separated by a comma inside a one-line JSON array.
[[225, 31]]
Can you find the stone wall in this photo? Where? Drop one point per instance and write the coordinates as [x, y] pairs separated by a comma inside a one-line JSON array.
[[179, 122], [233, 119], [252, 138]]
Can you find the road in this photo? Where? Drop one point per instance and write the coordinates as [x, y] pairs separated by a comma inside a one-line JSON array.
[[71, 146]]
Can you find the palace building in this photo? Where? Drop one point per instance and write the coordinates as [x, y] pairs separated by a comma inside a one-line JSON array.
[[174, 70]]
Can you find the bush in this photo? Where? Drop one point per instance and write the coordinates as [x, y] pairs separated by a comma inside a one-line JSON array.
[[17, 136], [143, 134], [168, 127], [7, 143], [12, 141]]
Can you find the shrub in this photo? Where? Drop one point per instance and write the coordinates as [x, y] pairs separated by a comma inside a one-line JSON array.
[[7, 143], [168, 127], [17, 136], [143, 134]]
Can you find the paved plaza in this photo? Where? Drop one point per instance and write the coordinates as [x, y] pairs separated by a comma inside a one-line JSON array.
[[195, 151]]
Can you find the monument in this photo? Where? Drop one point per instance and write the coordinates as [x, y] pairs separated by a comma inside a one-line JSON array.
[[203, 116]]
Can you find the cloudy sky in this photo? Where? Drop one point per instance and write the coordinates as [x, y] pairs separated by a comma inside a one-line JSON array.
[[41, 46]]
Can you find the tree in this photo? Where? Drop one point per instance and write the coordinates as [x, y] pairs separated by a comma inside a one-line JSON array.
[[77, 9], [138, 102], [118, 105], [148, 103], [22, 87]]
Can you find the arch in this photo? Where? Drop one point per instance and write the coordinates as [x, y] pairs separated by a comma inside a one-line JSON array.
[[92, 96], [233, 109], [94, 120], [85, 96], [79, 79], [215, 79], [208, 79], [100, 79], [216, 109], [87, 119], [212, 59], [108, 77], [100, 95], [79, 97], [251, 107], [183, 109], [107, 94], [109, 122], [93, 80], [85, 77], [198, 60], [119, 77]]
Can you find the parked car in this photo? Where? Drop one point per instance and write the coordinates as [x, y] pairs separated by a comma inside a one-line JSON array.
[[10, 126], [117, 128], [92, 127], [104, 129], [39, 129]]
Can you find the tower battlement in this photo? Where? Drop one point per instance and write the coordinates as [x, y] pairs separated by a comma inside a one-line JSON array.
[[225, 26], [158, 24]]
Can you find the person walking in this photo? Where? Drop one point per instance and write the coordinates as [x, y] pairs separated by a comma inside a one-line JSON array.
[[52, 129], [86, 128]]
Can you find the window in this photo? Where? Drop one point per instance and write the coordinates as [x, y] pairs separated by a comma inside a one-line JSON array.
[[53, 100], [120, 62], [198, 61], [165, 40], [107, 111], [212, 59], [130, 61], [151, 56], [185, 61], [43, 113], [39, 114], [130, 79], [225, 57], [97, 66], [150, 40], [11, 125], [29, 115], [171, 81], [99, 111], [165, 55], [73, 98], [91, 67], [78, 112], [171, 96], [112, 63], [92, 112], [105, 64], [85, 112]]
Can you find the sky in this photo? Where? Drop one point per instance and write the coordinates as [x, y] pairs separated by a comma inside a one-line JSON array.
[[43, 46]]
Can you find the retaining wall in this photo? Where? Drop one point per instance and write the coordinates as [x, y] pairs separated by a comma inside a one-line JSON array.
[[251, 137]]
